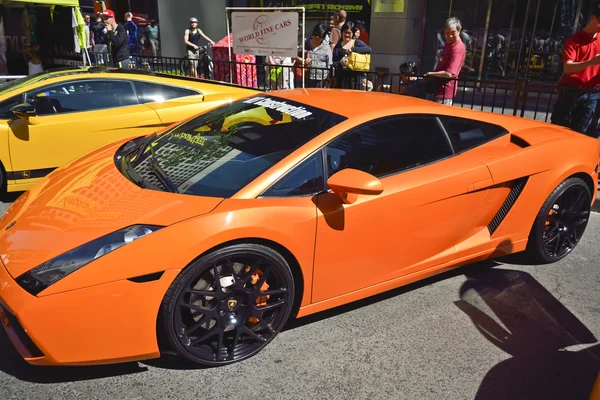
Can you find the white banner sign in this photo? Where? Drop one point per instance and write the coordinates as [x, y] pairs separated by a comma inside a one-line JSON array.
[[265, 34]]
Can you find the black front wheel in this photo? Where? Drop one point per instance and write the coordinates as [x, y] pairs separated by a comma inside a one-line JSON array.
[[561, 222], [228, 305]]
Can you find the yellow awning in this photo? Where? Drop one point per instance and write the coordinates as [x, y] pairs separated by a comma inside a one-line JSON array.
[[66, 3]]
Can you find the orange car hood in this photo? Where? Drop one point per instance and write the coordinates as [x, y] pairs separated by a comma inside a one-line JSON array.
[[87, 200]]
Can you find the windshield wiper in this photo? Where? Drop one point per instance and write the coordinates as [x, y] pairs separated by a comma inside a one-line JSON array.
[[161, 174], [139, 149]]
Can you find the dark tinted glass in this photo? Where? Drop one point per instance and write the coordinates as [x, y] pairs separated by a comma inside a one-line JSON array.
[[303, 180], [84, 95], [389, 146], [152, 92], [6, 106], [466, 134], [218, 153]]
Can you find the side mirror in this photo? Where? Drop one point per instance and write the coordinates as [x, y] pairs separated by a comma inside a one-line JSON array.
[[349, 183], [24, 111]]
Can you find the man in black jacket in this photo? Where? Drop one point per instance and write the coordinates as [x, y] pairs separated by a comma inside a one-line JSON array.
[[119, 41]]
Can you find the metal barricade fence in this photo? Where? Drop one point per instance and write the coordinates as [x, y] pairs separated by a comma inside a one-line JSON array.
[[522, 97]]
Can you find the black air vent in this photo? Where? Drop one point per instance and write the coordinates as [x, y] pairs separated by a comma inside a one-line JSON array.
[[519, 141], [34, 351], [514, 194], [147, 278]]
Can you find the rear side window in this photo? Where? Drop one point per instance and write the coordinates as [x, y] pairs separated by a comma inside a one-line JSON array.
[[389, 146], [152, 92], [466, 134]]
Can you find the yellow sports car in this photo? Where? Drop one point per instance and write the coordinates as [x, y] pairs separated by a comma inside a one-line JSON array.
[[52, 118]]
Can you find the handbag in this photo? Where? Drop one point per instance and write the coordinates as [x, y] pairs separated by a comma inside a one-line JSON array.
[[359, 62]]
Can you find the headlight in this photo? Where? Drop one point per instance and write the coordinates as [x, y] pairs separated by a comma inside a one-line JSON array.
[[54, 270]]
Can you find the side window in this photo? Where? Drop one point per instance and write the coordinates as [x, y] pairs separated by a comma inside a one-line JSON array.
[[303, 180], [152, 92], [389, 146], [80, 96], [6, 106], [466, 134]]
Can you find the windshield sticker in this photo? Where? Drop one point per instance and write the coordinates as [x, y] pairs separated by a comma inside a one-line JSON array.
[[192, 139], [281, 106]]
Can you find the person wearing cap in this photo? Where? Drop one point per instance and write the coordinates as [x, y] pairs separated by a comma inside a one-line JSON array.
[[119, 41], [191, 38], [578, 95]]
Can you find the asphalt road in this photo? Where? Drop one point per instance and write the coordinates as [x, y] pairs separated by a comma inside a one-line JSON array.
[[487, 331]]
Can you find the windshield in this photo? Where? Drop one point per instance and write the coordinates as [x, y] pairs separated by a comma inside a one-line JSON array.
[[218, 153], [40, 76]]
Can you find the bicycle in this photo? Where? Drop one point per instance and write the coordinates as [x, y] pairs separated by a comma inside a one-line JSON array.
[[205, 66]]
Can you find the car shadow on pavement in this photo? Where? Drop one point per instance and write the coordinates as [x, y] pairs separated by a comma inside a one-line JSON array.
[[553, 354], [13, 364]]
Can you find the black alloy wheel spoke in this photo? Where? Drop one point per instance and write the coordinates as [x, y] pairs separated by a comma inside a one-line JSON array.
[[273, 292], [193, 307], [571, 240], [578, 203], [217, 278], [236, 339], [220, 345], [265, 275], [552, 234], [249, 274], [270, 307], [254, 335], [209, 334], [203, 293], [265, 325], [201, 322]]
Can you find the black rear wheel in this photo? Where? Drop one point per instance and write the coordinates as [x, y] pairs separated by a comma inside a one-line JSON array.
[[561, 222], [228, 305]]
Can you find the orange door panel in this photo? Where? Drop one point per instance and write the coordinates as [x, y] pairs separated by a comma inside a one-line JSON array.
[[420, 216]]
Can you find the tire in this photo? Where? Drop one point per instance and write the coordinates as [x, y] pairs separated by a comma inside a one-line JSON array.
[[185, 66], [215, 322], [560, 223]]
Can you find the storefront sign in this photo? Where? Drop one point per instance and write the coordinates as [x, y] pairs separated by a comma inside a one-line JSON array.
[[395, 6], [265, 34]]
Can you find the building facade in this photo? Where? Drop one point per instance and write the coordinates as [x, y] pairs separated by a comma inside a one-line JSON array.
[[505, 39]]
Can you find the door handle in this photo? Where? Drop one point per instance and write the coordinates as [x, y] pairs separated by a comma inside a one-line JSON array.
[[480, 185]]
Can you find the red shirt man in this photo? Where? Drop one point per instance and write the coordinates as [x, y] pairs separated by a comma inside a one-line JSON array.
[[576, 105], [451, 61], [581, 50]]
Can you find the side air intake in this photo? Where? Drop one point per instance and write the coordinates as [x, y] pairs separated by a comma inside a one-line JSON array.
[[510, 201], [519, 141]]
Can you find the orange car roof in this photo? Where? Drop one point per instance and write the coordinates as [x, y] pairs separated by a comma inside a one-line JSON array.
[[352, 103]]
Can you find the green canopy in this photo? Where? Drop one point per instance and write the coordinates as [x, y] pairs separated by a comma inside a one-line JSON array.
[[66, 3]]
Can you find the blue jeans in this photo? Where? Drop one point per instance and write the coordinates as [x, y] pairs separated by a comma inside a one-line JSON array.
[[576, 110]]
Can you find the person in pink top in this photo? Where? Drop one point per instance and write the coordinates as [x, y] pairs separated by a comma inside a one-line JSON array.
[[451, 62]]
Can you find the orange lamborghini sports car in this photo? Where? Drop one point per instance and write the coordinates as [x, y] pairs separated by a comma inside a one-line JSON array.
[[205, 238]]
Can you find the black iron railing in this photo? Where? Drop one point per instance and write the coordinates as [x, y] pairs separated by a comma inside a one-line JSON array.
[[523, 97]]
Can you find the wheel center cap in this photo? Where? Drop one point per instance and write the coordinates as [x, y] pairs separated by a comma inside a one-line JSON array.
[[232, 303]]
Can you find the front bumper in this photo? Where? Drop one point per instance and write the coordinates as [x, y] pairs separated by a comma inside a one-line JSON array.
[[110, 323]]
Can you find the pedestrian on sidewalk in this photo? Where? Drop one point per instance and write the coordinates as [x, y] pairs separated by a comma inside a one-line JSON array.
[[579, 86], [442, 83], [119, 41]]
